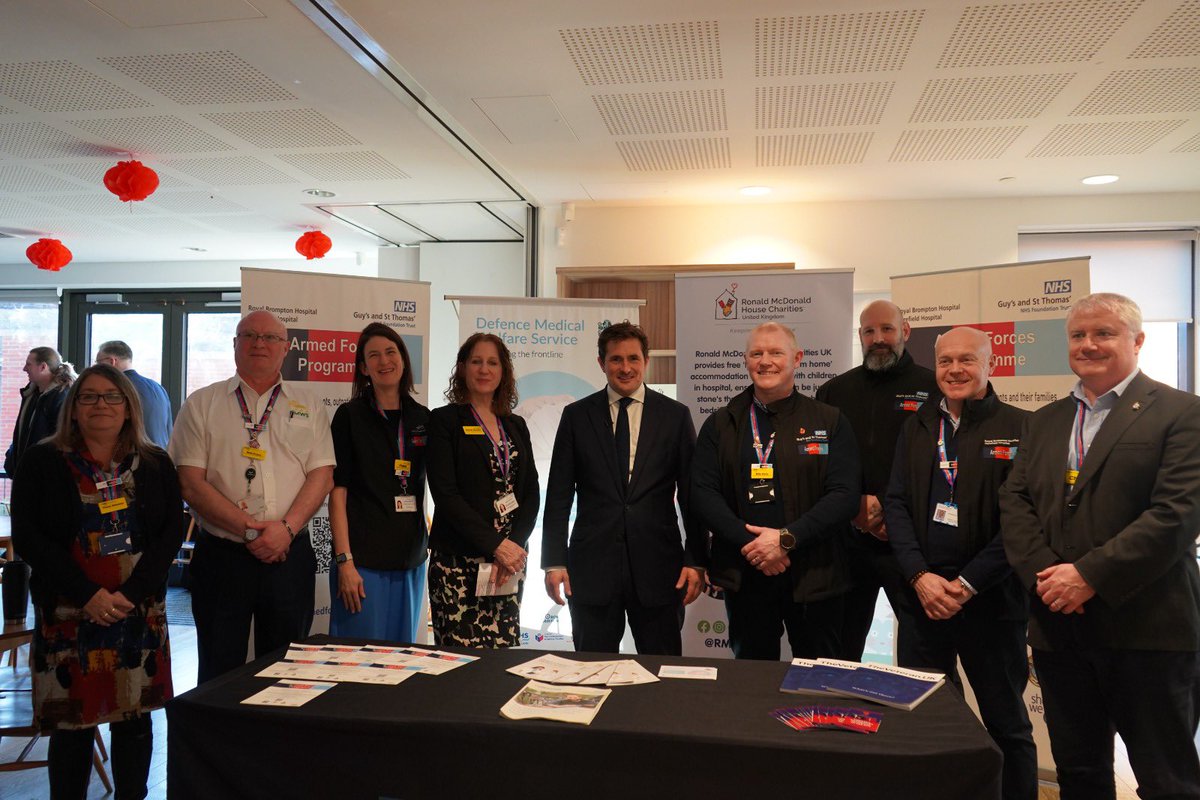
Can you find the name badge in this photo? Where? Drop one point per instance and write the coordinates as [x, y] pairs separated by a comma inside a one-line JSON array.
[[947, 514], [108, 483], [1072, 476], [762, 493], [255, 453], [762, 472], [114, 543], [116, 504], [406, 503], [403, 467], [947, 465], [507, 504], [472, 430]]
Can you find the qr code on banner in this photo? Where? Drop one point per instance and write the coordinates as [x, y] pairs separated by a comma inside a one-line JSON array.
[[319, 533]]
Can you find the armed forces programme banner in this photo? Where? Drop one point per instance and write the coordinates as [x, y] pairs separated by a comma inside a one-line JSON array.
[[714, 314], [323, 315], [553, 346], [1023, 307]]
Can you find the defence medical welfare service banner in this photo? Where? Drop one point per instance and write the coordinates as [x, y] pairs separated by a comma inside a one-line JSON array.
[[553, 346], [714, 314], [1023, 307], [323, 315]]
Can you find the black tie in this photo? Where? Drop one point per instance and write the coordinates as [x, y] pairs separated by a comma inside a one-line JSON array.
[[621, 438]]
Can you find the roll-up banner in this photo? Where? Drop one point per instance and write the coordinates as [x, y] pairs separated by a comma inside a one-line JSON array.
[[714, 314], [323, 315], [1023, 308], [553, 346]]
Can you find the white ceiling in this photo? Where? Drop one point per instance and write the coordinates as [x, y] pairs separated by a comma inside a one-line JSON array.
[[240, 106]]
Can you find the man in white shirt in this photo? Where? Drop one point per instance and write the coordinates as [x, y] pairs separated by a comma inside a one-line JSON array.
[[255, 459]]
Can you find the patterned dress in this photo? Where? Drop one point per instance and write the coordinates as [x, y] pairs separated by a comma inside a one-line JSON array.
[[85, 674], [459, 616]]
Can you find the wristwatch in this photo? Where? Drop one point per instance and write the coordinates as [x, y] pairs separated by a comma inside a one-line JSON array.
[[249, 535], [342, 558], [787, 540]]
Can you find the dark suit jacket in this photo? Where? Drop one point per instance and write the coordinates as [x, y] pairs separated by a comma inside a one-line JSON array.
[[460, 479], [610, 519], [1129, 526]]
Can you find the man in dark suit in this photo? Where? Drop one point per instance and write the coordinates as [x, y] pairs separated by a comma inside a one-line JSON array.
[[1100, 517], [156, 405], [623, 452]]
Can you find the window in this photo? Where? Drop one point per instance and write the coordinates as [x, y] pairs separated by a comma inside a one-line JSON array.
[[26, 322]]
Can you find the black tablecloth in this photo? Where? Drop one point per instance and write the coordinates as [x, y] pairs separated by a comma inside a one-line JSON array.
[[442, 736]]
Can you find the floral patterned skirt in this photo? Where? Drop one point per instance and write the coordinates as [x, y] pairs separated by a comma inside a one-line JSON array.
[[460, 617]]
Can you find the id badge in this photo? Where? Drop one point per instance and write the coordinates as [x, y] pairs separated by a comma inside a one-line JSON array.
[[403, 467], [254, 453], [114, 543], [506, 504], [762, 472], [254, 506], [947, 465], [406, 503], [473, 430], [762, 493], [1072, 476], [116, 504], [947, 514]]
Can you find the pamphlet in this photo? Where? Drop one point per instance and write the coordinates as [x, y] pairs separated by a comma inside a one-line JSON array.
[[577, 704], [484, 587], [891, 686], [288, 694], [692, 673]]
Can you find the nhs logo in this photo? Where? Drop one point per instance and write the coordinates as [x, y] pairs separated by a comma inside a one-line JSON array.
[[410, 306], [1058, 287]]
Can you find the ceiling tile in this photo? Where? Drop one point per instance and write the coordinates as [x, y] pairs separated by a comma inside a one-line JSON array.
[[822, 105], [237, 171], [163, 133], [1176, 37], [988, 97], [641, 113], [812, 149], [654, 155], [1104, 138], [873, 41], [39, 140], [205, 78], [1144, 91], [60, 86], [291, 127], [671, 51], [955, 144], [362, 165]]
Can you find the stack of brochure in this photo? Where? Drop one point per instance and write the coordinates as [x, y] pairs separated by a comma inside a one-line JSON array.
[[555, 669], [890, 686], [577, 704], [375, 664]]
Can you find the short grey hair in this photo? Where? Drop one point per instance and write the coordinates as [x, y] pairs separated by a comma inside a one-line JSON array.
[[1125, 309], [774, 326]]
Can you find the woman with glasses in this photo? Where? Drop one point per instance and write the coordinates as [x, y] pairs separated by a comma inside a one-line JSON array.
[[485, 489], [97, 513], [377, 506]]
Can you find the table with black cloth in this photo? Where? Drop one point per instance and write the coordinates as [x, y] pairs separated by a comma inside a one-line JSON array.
[[443, 736]]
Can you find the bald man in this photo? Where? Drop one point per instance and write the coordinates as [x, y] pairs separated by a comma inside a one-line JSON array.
[[255, 458], [876, 397], [943, 517]]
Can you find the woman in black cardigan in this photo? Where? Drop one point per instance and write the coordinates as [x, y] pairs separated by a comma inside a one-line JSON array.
[[97, 514], [486, 499]]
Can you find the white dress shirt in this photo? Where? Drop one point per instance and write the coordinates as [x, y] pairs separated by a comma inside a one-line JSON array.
[[635, 417]]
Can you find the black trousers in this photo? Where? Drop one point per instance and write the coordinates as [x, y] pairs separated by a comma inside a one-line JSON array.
[[70, 756], [599, 628], [992, 651], [231, 588], [763, 608], [1150, 697], [872, 567]]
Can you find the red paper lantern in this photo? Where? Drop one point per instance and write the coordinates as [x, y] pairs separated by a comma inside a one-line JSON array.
[[48, 254], [131, 180], [313, 244]]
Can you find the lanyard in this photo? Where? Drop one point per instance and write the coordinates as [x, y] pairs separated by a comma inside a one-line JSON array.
[[505, 457], [1078, 448], [399, 438], [951, 473], [107, 486], [251, 428], [764, 455]]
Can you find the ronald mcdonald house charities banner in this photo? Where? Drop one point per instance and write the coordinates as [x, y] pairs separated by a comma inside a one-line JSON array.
[[323, 315], [553, 346], [714, 314]]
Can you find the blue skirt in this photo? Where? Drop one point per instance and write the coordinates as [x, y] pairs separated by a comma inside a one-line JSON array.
[[390, 611]]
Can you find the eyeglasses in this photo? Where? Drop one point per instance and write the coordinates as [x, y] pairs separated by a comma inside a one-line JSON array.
[[248, 337], [91, 398]]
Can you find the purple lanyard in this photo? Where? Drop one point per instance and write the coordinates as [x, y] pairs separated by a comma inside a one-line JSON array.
[[951, 473], [251, 428], [505, 457], [764, 456], [1075, 461], [399, 438], [104, 484]]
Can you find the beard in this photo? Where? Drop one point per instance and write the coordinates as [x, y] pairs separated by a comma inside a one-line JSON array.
[[881, 357]]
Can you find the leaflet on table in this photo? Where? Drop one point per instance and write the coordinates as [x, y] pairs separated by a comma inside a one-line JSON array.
[[811, 677], [484, 587], [431, 662], [577, 704], [690, 673], [807, 718], [288, 694], [550, 668], [349, 672], [891, 686]]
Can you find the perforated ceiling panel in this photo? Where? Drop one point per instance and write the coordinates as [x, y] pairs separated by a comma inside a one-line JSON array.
[[657, 155], [820, 105], [672, 51], [72, 229], [149, 226], [1192, 145], [812, 149], [290, 127], [360, 165], [955, 144], [26, 180], [60, 86], [246, 223], [39, 140], [693, 111], [205, 78], [239, 171], [1144, 91], [991, 97], [1104, 138], [876, 41], [193, 203], [1178, 35], [1055, 32], [14, 209], [97, 204], [159, 134], [92, 172]]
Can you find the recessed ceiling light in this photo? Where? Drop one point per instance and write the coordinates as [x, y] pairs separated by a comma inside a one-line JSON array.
[[319, 193], [754, 191], [1096, 180]]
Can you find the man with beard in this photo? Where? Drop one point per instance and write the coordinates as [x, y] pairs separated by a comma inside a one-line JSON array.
[[876, 397]]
